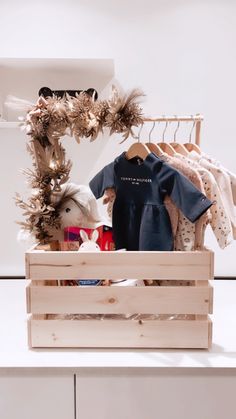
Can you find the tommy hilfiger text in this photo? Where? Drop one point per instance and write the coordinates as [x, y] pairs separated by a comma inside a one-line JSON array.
[[136, 181]]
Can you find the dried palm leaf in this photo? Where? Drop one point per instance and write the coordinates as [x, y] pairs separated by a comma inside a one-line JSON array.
[[82, 113], [101, 111], [59, 121], [124, 112], [18, 104]]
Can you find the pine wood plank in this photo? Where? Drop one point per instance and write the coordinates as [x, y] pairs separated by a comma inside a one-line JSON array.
[[27, 265], [118, 300], [211, 299], [115, 265], [44, 266], [28, 299], [212, 261], [120, 334]]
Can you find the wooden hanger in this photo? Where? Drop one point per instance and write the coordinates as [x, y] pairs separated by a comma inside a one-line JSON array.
[[166, 147], [183, 149], [178, 147], [154, 148], [192, 146], [137, 150]]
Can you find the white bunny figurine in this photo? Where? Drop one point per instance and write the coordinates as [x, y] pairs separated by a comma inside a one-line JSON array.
[[89, 245]]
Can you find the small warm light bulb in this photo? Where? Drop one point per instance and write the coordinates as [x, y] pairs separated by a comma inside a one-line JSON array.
[[35, 191], [52, 164]]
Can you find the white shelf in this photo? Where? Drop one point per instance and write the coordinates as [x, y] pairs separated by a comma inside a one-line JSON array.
[[7, 124], [23, 77]]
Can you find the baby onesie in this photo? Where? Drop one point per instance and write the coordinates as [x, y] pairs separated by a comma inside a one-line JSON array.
[[219, 222], [223, 181], [184, 236], [140, 219], [232, 175]]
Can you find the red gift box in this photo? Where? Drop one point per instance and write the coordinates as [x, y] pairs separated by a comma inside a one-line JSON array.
[[105, 239], [107, 242]]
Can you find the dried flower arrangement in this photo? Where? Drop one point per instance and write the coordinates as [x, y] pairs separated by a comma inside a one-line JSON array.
[[46, 123]]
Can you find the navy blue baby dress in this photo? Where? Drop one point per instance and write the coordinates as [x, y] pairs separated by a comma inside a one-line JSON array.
[[140, 220]]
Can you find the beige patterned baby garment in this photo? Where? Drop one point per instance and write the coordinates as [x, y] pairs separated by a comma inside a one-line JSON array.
[[185, 234], [220, 221]]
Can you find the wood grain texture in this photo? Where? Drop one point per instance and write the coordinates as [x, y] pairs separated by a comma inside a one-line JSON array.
[[118, 300], [45, 297], [115, 265], [211, 263], [27, 265], [122, 334], [28, 299]]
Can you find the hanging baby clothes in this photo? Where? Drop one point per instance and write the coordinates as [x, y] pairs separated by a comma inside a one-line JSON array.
[[220, 222], [223, 181], [232, 175], [186, 234], [109, 198], [140, 219]]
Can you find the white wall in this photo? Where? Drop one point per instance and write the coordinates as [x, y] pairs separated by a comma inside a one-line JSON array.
[[181, 53]]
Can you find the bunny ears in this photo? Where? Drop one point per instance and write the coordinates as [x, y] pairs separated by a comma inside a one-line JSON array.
[[84, 236]]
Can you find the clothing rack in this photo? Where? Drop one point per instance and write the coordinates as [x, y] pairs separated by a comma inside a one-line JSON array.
[[197, 119]]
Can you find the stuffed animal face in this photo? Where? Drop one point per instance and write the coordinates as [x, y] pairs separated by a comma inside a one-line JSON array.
[[72, 214], [89, 244], [76, 206]]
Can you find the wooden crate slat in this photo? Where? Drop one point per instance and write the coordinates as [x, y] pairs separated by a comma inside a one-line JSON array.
[[27, 264], [28, 299], [120, 334], [117, 300], [45, 297], [115, 265], [211, 264]]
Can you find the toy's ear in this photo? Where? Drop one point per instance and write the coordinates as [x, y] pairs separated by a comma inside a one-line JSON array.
[[83, 235], [94, 236]]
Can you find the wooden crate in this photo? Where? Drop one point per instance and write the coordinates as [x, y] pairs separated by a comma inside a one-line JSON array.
[[42, 299]]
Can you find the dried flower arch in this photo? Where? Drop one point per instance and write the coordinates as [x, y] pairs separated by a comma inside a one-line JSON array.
[[46, 123]]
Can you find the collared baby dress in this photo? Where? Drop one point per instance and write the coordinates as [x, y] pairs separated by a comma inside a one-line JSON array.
[[140, 219]]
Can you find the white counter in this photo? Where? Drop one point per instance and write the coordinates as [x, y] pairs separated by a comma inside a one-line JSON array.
[[122, 384], [14, 351]]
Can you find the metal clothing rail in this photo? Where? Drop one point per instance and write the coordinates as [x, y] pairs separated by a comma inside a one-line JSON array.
[[197, 119]]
